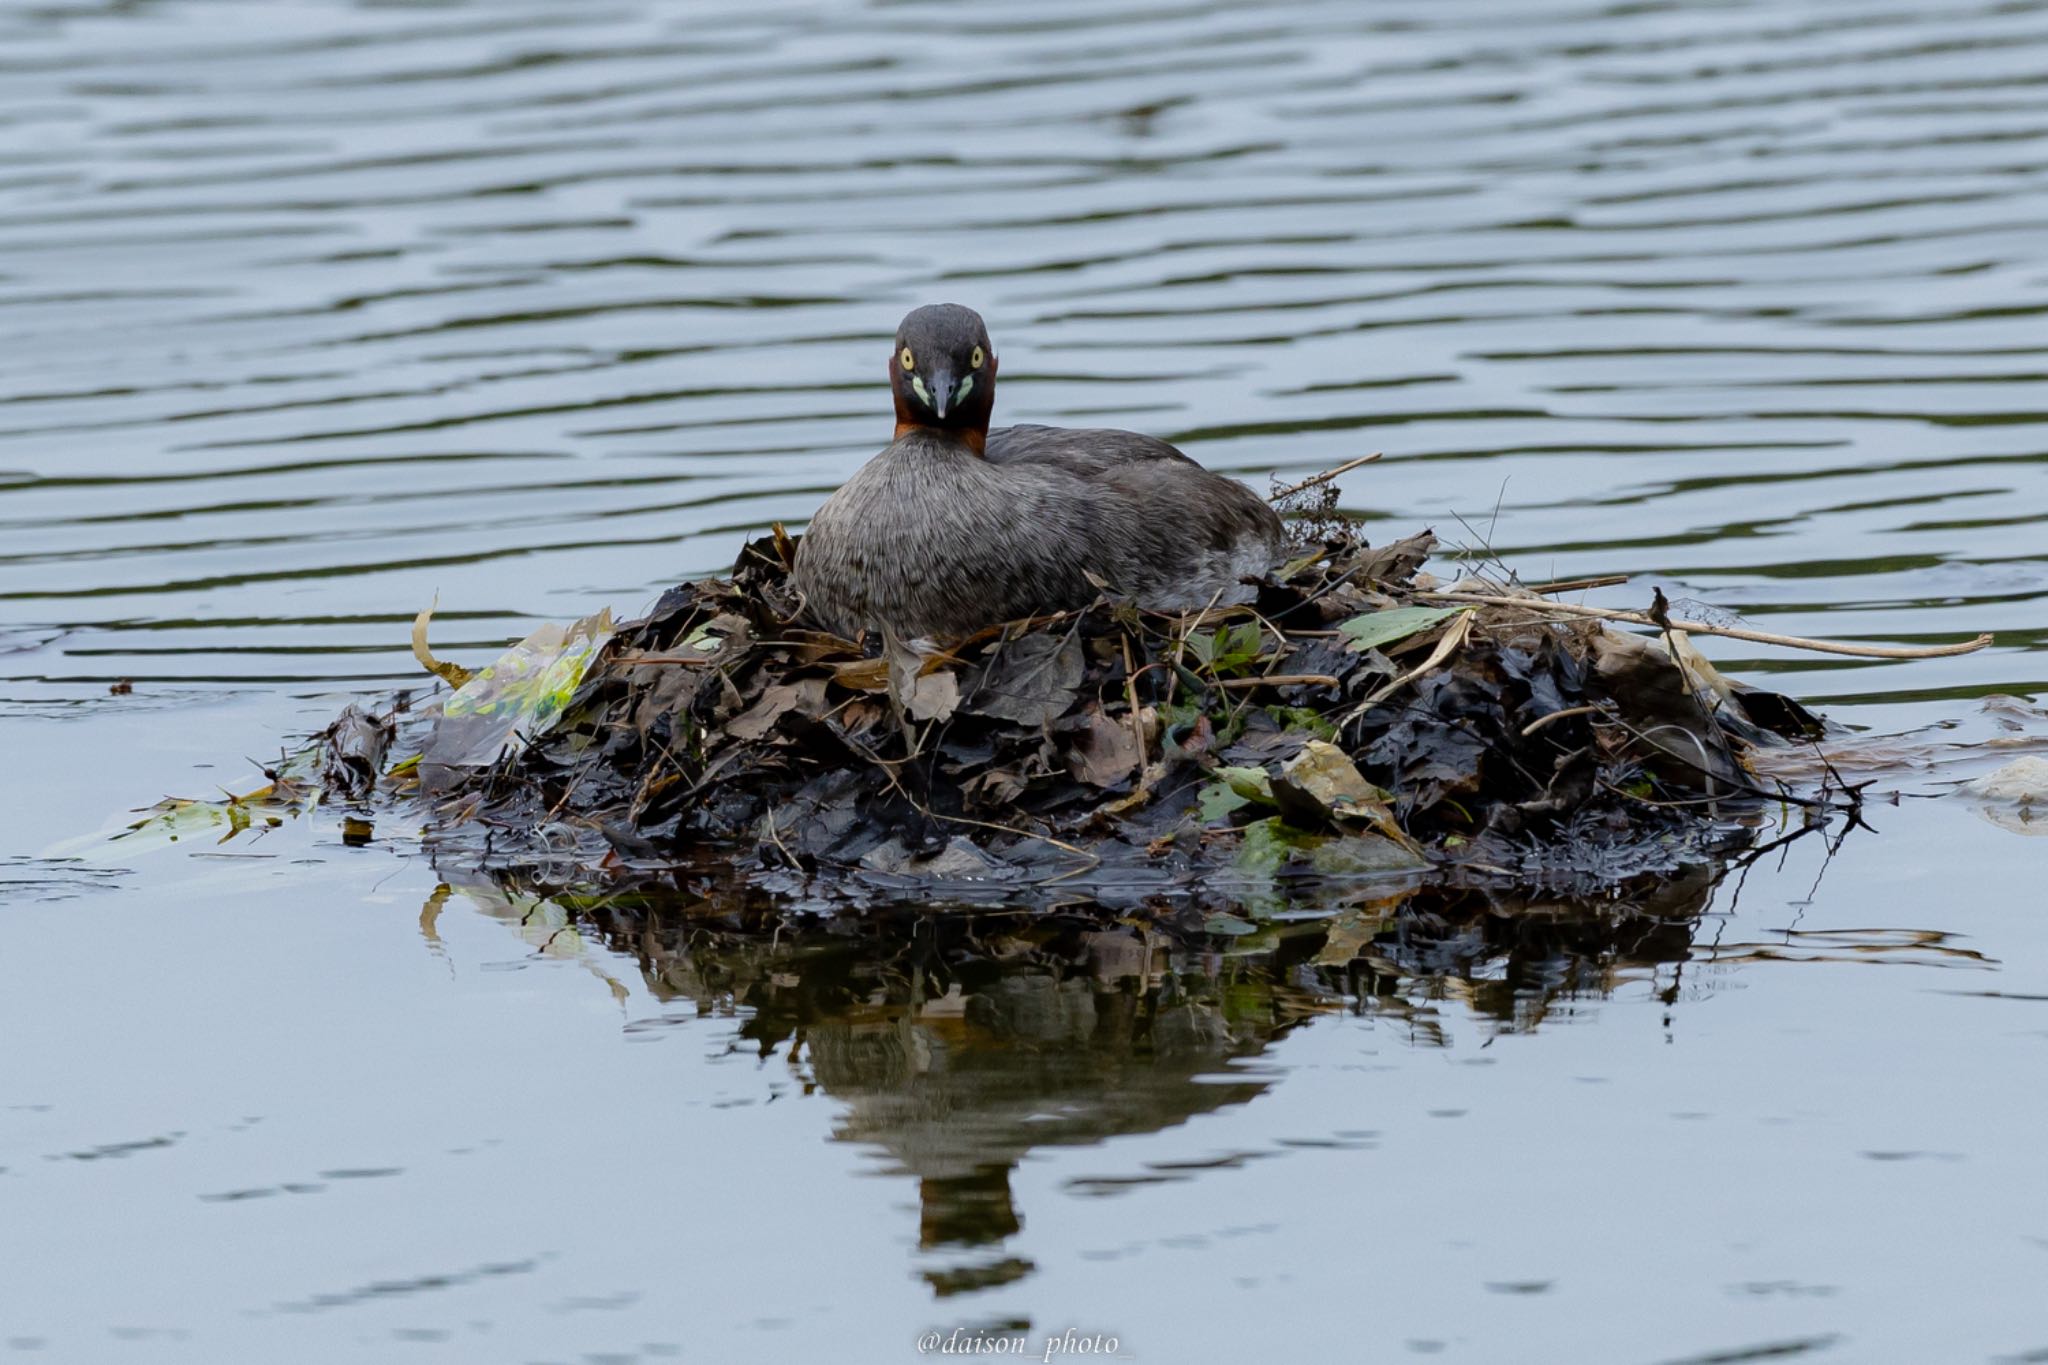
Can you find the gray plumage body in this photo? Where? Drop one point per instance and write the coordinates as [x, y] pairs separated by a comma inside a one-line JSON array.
[[930, 538]]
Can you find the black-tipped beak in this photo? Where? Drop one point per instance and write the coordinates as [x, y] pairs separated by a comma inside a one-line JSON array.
[[941, 386]]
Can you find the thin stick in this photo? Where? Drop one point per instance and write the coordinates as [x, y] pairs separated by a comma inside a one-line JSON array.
[[1579, 584], [1281, 680], [664, 659], [1324, 477], [1761, 637], [1537, 724], [1131, 700]]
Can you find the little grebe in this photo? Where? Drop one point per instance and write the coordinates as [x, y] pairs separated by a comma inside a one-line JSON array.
[[954, 527]]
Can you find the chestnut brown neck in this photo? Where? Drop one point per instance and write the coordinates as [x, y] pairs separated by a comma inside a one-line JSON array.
[[970, 427]]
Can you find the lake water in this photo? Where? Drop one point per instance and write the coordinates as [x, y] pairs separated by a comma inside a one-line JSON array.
[[312, 311]]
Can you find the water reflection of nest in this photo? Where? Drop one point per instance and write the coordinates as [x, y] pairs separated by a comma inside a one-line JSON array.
[[958, 1043]]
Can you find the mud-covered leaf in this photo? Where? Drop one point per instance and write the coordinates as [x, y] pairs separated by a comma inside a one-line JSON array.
[[1032, 680], [1320, 783], [352, 752]]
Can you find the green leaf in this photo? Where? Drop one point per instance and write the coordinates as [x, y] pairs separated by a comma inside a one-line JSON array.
[[1253, 784], [1217, 800], [1242, 645], [1228, 924], [1302, 720], [1267, 844], [1377, 628]]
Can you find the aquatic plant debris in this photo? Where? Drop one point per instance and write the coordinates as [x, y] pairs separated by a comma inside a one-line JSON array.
[[1348, 723]]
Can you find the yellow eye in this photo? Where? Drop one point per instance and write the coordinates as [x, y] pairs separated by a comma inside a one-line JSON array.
[[976, 359], [907, 360]]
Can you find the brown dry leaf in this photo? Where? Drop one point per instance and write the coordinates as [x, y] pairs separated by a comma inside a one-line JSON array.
[[1104, 752], [1352, 932], [455, 675], [1146, 785], [863, 675], [920, 687], [998, 785], [934, 696], [805, 696]]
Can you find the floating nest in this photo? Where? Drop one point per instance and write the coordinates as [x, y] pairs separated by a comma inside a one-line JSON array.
[[1360, 719]]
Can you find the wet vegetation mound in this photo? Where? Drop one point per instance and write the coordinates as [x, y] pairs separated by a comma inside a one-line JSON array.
[[1360, 718]]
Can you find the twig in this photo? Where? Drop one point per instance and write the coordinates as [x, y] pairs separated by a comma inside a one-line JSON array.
[[1579, 584], [1281, 680], [1762, 637], [1542, 721], [1324, 477], [1131, 700]]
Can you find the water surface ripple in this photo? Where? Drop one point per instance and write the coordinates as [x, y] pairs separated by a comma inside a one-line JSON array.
[[313, 310], [309, 310]]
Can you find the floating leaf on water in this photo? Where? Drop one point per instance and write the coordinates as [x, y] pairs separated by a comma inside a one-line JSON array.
[[1357, 855], [1376, 629], [1268, 844], [1228, 925]]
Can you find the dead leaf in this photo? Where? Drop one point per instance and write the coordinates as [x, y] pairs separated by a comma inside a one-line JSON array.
[[1104, 752], [920, 686], [804, 696], [455, 675], [863, 675], [1321, 785], [1031, 680]]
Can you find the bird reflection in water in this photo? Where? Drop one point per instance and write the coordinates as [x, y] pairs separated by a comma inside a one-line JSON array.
[[959, 1041]]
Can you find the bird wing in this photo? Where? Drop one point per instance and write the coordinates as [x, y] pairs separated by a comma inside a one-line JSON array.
[[1087, 451]]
